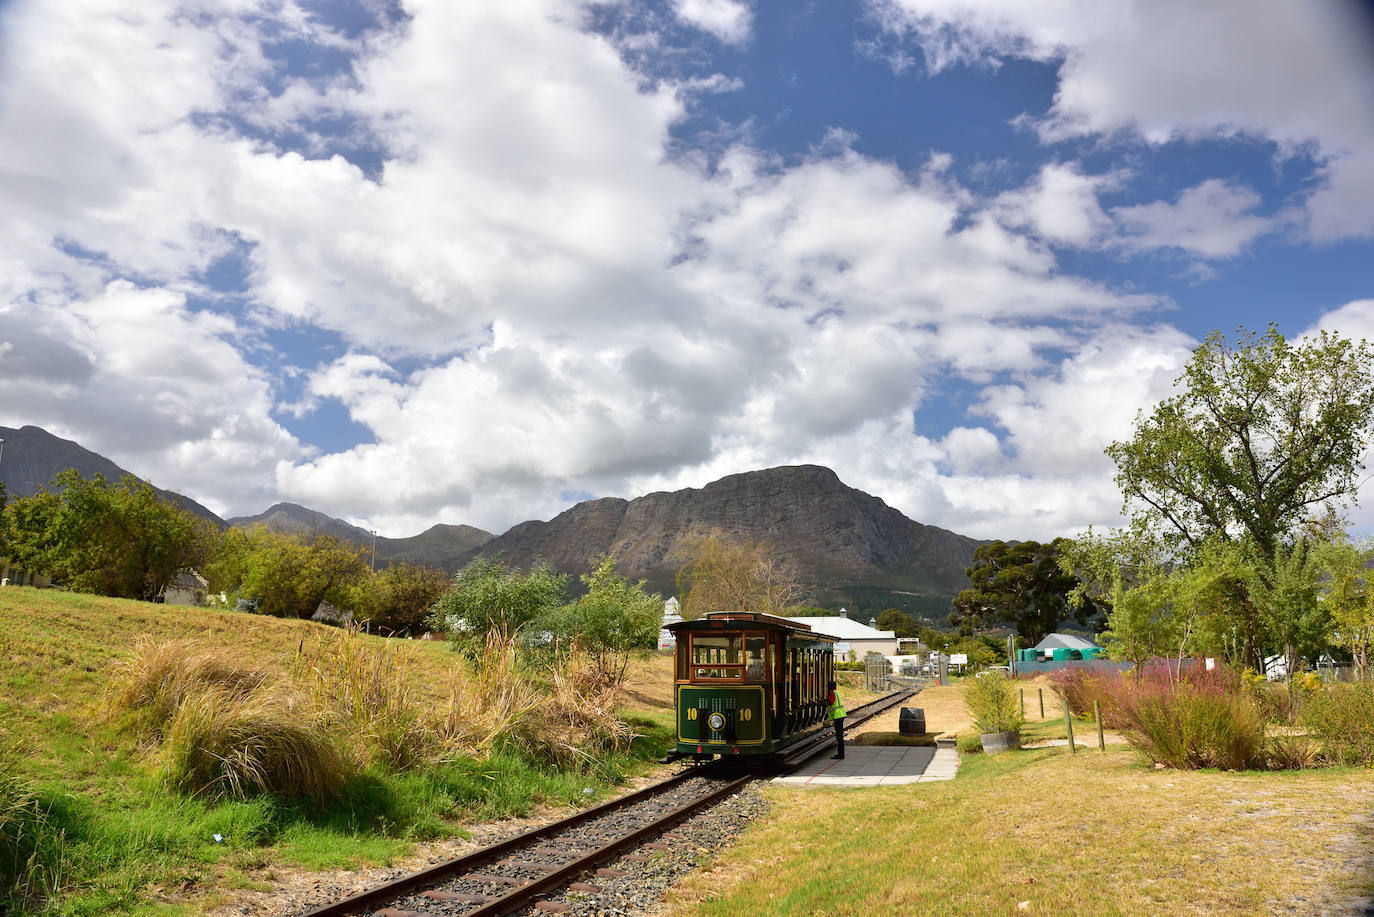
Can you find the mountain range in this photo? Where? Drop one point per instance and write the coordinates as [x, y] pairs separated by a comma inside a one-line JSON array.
[[849, 547]]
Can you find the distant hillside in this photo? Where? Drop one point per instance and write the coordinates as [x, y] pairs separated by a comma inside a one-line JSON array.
[[443, 546], [31, 457], [849, 545]]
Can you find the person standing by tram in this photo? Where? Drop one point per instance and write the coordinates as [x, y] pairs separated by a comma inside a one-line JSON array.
[[836, 713]]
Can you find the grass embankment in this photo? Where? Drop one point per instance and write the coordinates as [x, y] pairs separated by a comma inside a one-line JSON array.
[[113, 837], [1041, 831]]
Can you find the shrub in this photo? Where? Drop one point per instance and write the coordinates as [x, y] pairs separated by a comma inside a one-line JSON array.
[[1194, 719], [371, 686], [226, 746], [152, 684], [994, 704], [1341, 717], [1079, 687]]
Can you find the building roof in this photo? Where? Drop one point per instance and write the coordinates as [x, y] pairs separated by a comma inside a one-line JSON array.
[[845, 628], [1065, 642]]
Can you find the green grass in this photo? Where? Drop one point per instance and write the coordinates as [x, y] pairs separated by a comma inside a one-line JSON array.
[[130, 845]]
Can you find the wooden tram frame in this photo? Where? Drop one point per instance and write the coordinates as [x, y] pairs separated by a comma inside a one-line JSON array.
[[748, 684]]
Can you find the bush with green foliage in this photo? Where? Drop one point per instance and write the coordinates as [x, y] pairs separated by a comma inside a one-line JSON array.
[[613, 619], [993, 702], [397, 599], [487, 598], [1341, 718]]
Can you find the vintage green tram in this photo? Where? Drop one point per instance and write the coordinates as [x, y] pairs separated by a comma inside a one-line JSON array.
[[749, 684]]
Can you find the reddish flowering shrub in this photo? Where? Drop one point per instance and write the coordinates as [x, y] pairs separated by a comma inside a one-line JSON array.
[[1189, 719]]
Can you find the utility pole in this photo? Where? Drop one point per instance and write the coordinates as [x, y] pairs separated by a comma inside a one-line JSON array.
[[374, 550]]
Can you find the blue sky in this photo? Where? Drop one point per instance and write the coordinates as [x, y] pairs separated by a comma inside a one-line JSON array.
[[421, 262]]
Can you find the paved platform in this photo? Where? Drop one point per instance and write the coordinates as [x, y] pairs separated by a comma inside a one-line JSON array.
[[869, 765]]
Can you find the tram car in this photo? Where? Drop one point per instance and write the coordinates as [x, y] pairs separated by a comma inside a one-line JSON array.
[[749, 684]]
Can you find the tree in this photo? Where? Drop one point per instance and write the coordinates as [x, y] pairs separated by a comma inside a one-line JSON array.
[[1022, 583], [732, 574], [612, 620], [119, 540], [899, 622], [1261, 433], [485, 597], [285, 575], [398, 598], [1348, 594]]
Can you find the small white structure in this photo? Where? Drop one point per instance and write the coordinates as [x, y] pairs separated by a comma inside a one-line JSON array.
[[857, 638], [672, 613], [186, 588]]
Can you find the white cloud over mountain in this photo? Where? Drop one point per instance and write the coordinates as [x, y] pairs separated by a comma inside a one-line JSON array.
[[538, 293]]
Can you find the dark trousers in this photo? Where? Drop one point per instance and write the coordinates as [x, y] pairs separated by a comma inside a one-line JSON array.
[[839, 737]]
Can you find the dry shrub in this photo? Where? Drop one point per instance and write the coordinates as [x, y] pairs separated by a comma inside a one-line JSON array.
[[1285, 751], [371, 685], [581, 709], [1341, 718], [220, 744], [1079, 686], [152, 684], [491, 698], [1190, 719]]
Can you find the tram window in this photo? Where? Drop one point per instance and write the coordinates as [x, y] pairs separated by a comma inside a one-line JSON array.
[[714, 650], [755, 663]]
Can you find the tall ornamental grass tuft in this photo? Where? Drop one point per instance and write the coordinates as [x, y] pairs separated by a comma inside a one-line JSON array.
[[1190, 719], [152, 683], [33, 863], [371, 686], [1341, 719], [224, 746]]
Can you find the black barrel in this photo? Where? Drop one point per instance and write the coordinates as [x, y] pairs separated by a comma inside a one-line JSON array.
[[912, 722]]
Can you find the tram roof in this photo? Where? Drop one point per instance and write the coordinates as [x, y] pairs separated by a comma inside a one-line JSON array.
[[720, 620]]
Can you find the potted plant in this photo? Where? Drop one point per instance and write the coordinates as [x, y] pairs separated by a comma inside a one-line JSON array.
[[996, 712]]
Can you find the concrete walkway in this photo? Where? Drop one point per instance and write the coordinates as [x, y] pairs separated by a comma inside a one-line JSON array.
[[869, 765]]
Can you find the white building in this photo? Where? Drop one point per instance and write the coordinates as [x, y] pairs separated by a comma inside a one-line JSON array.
[[672, 613], [852, 636]]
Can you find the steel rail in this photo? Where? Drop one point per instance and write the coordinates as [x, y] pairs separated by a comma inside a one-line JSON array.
[[406, 884], [525, 893]]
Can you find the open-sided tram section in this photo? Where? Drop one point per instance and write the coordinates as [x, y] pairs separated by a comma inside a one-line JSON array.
[[521, 873]]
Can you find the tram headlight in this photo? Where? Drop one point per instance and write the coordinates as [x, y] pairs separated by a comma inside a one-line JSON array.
[[716, 721]]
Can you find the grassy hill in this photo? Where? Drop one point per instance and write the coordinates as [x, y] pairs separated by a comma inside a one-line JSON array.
[[117, 839]]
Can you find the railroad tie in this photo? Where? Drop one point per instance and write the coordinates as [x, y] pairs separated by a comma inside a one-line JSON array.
[[587, 887], [487, 878], [553, 907], [466, 898], [398, 912], [610, 873]]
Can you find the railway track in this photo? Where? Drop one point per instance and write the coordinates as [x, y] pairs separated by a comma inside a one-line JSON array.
[[518, 874]]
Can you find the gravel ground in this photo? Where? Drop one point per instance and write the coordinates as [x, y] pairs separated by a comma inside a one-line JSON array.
[[649, 872]]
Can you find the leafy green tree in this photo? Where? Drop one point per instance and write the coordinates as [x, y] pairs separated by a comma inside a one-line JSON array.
[[118, 540], [613, 619], [397, 598], [1261, 433], [1022, 583], [899, 622], [485, 596], [285, 575], [1347, 588]]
